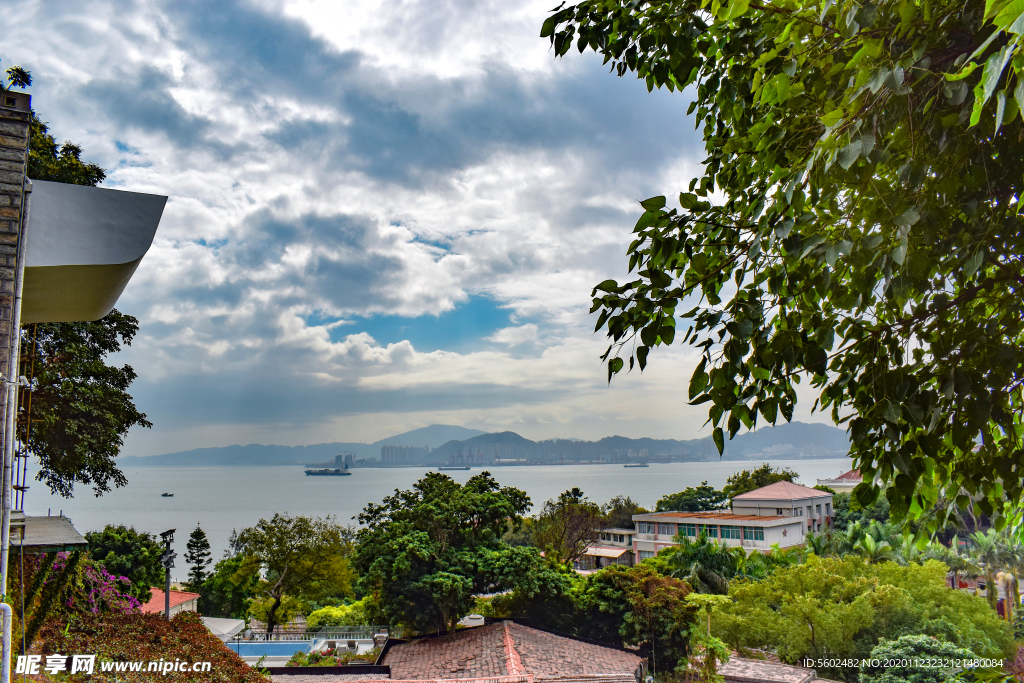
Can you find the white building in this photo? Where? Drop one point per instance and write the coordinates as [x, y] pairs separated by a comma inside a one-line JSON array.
[[844, 483], [657, 530], [614, 546], [786, 499], [782, 513]]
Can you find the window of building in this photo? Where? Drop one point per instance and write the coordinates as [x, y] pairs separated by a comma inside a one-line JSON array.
[[645, 527], [778, 511], [818, 510], [646, 555], [753, 533], [810, 511], [828, 510], [688, 530], [666, 529], [730, 531], [710, 529]]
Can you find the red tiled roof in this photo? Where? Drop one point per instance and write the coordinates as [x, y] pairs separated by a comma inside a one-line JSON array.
[[852, 474], [156, 602], [781, 490], [505, 651]]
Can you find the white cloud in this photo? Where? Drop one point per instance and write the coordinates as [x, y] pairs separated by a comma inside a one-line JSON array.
[[340, 172]]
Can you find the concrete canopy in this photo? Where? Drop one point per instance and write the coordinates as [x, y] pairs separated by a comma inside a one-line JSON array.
[[82, 246]]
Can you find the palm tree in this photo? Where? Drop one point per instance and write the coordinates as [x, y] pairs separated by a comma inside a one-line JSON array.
[[989, 554], [702, 563], [875, 551]]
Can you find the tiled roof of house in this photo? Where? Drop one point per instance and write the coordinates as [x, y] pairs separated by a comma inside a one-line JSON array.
[[509, 652], [852, 474], [156, 602], [781, 490], [713, 516], [741, 670]]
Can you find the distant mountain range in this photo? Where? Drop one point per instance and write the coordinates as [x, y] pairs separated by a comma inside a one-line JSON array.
[[786, 441]]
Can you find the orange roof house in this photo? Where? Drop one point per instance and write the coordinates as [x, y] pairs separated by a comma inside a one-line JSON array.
[[181, 601]]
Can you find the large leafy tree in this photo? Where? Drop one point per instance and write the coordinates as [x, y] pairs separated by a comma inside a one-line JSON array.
[[135, 555], [856, 224], [693, 499], [424, 553], [639, 608], [567, 525], [80, 406], [229, 589], [300, 559], [749, 480]]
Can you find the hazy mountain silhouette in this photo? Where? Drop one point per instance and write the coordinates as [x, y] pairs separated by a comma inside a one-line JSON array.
[[794, 440]]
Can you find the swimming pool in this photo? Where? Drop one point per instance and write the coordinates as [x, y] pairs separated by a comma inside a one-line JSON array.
[[271, 648]]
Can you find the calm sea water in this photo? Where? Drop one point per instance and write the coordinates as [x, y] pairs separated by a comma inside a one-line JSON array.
[[226, 498]]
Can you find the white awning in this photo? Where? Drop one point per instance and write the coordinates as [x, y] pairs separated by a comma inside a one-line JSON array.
[[224, 628], [82, 246], [598, 551]]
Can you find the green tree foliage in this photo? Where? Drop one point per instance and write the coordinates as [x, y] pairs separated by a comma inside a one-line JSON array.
[[81, 408], [748, 480], [229, 589], [707, 652], [354, 614], [567, 525], [842, 608], [857, 223], [637, 607], [848, 511], [693, 499], [300, 558], [424, 553], [62, 163], [135, 555], [709, 566], [905, 652], [619, 511], [198, 559]]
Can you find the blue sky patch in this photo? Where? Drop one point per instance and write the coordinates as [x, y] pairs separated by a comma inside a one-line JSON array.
[[462, 329]]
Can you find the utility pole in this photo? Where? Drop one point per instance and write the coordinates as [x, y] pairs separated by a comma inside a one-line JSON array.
[[167, 560]]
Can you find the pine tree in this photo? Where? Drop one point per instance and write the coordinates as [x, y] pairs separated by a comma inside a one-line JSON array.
[[198, 558]]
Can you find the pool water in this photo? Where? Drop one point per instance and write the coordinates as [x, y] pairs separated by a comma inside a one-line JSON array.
[[271, 648]]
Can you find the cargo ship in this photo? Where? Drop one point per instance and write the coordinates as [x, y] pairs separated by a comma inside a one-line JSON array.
[[328, 472]]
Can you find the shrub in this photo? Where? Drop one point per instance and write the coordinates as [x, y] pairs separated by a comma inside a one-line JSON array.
[[909, 648], [147, 637]]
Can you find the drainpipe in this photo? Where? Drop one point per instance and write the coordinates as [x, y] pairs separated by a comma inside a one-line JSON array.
[[5, 666], [14, 369]]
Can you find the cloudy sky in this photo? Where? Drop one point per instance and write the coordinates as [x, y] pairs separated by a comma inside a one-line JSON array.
[[383, 214]]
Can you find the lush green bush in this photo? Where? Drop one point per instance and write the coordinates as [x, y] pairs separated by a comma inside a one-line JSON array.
[[841, 608], [135, 555], [147, 637], [909, 648], [343, 615]]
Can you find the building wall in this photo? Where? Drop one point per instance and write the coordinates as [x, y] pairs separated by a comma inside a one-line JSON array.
[[189, 606], [15, 108], [794, 508]]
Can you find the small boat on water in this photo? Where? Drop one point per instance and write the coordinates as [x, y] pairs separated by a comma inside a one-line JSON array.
[[445, 468], [328, 472], [636, 464], [167, 495]]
